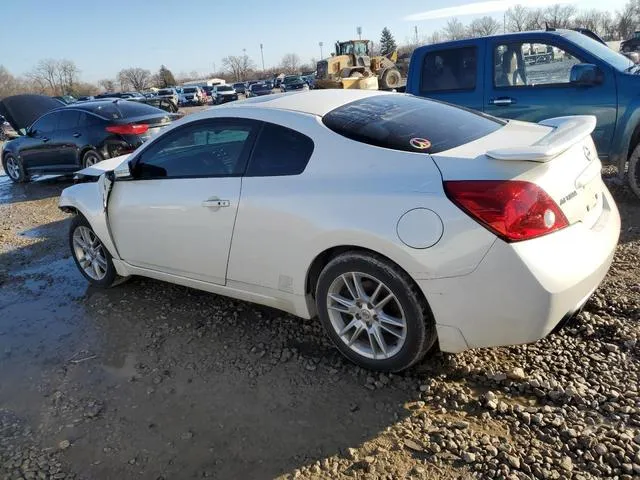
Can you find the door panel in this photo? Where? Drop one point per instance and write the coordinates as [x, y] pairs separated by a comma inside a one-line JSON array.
[[66, 137], [529, 80], [163, 224], [40, 147]]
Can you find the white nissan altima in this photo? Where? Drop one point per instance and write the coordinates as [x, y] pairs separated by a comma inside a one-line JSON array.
[[400, 222]]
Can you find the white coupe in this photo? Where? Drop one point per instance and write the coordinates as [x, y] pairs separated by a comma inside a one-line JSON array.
[[400, 222]]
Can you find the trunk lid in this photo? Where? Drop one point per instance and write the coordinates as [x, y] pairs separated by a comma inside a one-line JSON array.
[[558, 155]]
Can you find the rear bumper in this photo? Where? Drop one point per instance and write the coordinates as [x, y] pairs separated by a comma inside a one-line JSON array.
[[521, 291]]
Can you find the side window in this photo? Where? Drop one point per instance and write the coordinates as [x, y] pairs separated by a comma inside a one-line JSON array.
[[68, 120], [46, 124], [449, 70], [279, 151], [531, 64], [213, 148]]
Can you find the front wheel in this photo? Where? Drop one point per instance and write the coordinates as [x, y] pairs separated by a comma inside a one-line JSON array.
[[15, 169], [633, 174], [373, 312], [92, 258], [90, 157]]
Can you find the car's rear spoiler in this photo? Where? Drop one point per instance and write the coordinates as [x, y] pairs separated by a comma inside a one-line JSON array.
[[567, 131]]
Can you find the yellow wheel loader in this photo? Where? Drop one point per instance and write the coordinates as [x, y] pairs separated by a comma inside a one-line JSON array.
[[351, 66]]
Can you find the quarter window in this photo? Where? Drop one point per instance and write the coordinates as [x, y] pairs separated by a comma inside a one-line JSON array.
[[215, 148], [449, 70], [280, 151], [531, 64]]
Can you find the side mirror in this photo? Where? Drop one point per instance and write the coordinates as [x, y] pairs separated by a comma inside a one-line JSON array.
[[585, 75]]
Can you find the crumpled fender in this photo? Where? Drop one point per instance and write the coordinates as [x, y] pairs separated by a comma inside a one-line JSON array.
[[87, 200]]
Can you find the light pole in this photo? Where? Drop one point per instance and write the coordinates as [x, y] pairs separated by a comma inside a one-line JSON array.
[[262, 55], [359, 30], [321, 44]]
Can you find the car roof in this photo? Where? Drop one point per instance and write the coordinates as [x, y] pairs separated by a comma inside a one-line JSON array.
[[315, 102]]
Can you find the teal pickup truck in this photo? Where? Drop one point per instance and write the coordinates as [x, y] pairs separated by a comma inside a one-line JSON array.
[[537, 75]]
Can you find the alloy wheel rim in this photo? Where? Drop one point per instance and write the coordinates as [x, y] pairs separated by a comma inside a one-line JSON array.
[[91, 160], [13, 169], [89, 252], [366, 315]]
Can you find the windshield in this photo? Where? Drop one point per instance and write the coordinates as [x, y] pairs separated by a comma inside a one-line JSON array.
[[291, 79], [604, 53], [224, 88], [190, 90], [259, 86], [238, 85], [165, 92]]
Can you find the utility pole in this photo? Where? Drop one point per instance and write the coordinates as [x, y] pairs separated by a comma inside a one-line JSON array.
[[321, 44], [359, 30], [214, 67], [262, 55], [415, 28], [504, 22]]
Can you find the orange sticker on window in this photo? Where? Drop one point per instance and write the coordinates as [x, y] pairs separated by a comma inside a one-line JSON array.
[[420, 143]]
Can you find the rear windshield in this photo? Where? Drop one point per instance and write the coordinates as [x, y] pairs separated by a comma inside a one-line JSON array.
[[224, 89], [125, 109], [190, 90], [408, 123], [291, 79], [165, 92]]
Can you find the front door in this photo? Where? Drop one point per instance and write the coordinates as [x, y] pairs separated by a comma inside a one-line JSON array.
[[176, 215], [40, 148], [530, 81]]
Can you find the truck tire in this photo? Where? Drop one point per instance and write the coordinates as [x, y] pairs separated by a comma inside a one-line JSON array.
[[633, 173], [390, 79]]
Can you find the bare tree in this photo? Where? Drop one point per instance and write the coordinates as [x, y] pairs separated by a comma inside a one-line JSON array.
[[238, 66], [45, 76], [9, 85], [485, 26], [68, 74], [517, 18], [626, 21], [138, 78], [606, 25], [107, 84], [454, 30], [535, 19], [290, 63], [559, 16]]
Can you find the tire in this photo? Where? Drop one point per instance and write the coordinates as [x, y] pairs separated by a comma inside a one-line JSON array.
[[90, 157], [633, 173], [404, 345], [390, 79], [82, 235], [15, 169]]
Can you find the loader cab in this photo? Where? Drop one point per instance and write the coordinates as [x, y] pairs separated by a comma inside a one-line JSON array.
[[359, 48]]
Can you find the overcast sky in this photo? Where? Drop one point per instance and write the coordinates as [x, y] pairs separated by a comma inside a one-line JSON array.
[[195, 35]]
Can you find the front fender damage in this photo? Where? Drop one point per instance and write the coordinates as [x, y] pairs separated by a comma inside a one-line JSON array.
[[91, 200]]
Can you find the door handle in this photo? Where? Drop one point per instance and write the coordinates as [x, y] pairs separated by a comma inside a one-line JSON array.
[[45, 139], [216, 203], [76, 135], [502, 101]]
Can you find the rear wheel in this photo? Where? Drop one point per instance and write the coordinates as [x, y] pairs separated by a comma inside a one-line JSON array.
[[373, 312], [15, 169], [633, 174], [90, 157], [390, 79]]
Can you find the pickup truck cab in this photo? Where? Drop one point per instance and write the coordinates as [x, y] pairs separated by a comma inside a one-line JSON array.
[[537, 75]]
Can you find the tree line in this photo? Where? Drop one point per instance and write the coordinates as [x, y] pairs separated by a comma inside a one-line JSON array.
[[62, 76]]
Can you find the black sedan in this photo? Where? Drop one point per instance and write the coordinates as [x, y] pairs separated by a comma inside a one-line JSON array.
[[71, 137], [292, 83], [258, 90]]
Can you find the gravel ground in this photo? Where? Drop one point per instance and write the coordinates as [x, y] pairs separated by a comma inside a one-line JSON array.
[[155, 381]]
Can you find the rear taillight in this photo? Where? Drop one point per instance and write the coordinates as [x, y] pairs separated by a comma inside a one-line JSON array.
[[128, 129], [512, 209]]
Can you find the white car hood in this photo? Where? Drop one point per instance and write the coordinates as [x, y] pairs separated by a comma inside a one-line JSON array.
[[104, 166]]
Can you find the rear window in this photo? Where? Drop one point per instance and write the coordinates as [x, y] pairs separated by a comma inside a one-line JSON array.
[[408, 123], [280, 151], [190, 90], [449, 70], [165, 92], [125, 109], [224, 89]]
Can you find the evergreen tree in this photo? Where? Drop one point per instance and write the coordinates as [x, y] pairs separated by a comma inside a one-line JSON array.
[[387, 42], [165, 77]]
